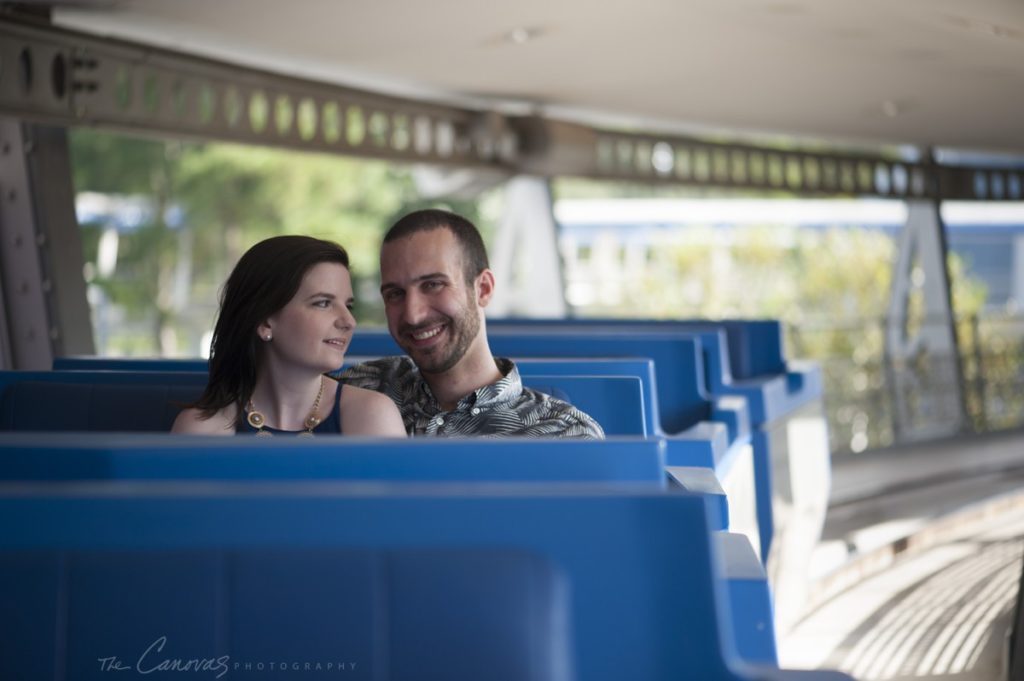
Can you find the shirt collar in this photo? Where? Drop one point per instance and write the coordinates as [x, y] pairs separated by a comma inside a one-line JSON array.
[[508, 388]]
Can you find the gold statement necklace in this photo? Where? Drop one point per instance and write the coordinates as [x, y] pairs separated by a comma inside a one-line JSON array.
[[257, 420]]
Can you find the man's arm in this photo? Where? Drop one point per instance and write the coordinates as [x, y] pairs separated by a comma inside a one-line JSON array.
[[565, 420], [367, 375]]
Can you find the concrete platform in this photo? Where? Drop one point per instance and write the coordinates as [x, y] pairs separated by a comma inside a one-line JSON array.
[[918, 570]]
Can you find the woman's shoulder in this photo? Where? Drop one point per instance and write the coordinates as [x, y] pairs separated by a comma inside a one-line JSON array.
[[355, 394], [192, 420], [367, 412]]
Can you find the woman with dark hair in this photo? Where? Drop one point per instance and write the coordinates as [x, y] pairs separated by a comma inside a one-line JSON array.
[[285, 320]]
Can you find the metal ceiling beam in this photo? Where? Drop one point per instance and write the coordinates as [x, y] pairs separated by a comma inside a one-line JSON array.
[[68, 78]]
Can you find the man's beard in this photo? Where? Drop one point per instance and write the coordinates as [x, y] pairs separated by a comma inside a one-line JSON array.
[[461, 330]]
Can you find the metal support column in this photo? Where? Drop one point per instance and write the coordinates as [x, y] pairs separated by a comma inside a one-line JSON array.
[[525, 256], [40, 249], [921, 341]]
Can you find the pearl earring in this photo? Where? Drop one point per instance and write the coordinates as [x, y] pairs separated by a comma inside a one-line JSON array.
[[267, 337]]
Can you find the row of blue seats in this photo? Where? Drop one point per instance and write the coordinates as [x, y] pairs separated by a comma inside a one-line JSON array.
[[616, 392], [399, 582], [696, 381], [701, 369], [94, 456], [133, 401], [755, 406], [745, 631]]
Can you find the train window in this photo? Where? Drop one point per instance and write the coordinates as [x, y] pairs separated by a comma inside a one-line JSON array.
[[232, 106], [332, 123], [421, 135], [284, 115], [307, 119], [662, 158], [356, 130], [207, 103], [123, 88], [151, 94]]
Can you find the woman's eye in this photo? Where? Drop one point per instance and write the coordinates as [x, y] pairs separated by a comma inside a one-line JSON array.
[[322, 303]]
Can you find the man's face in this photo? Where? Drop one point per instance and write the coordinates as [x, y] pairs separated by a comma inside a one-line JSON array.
[[433, 314]]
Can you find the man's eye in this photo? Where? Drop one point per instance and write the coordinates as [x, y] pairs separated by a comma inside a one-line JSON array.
[[392, 295], [431, 285]]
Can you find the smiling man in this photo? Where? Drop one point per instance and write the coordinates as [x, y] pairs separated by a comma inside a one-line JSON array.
[[436, 282]]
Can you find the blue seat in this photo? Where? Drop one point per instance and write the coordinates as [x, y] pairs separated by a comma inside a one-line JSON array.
[[133, 401], [115, 402], [111, 400], [743, 358], [75, 457], [699, 446], [152, 456], [93, 363], [412, 583], [683, 403], [682, 397]]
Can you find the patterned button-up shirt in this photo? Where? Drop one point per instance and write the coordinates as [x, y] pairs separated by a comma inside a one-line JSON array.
[[501, 408]]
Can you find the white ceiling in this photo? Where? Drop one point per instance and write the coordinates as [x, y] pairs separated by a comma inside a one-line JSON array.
[[921, 72]]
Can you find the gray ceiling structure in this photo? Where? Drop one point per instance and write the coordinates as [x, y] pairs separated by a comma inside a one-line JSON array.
[[919, 72], [811, 98]]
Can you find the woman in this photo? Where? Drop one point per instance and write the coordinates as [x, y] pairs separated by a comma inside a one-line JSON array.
[[286, 319]]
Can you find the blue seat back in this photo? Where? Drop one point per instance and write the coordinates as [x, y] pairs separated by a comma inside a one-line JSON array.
[[754, 346], [410, 584], [105, 456], [112, 401], [128, 401]]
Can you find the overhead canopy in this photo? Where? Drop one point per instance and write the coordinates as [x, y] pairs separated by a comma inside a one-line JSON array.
[[941, 73]]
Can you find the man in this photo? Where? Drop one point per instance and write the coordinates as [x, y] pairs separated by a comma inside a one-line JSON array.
[[436, 282]]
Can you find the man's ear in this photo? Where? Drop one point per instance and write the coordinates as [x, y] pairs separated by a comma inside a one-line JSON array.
[[484, 287]]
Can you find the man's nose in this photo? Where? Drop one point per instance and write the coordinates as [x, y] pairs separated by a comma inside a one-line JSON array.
[[414, 309]]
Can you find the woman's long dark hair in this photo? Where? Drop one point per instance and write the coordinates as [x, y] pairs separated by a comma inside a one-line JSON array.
[[265, 279]]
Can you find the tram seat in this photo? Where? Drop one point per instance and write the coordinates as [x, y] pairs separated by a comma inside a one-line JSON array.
[[789, 437], [687, 416], [53, 457], [130, 457], [525, 582], [741, 358], [706, 444], [78, 457], [642, 368], [682, 398], [150, 401], [133, 401]]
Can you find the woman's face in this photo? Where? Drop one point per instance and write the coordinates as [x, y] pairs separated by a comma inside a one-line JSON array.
[[314, 328]]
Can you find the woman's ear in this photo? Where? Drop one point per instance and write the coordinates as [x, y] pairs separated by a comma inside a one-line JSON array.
[[265, 331]]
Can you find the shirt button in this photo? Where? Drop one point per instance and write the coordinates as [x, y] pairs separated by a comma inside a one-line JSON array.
[[439, 420], [475, 411]]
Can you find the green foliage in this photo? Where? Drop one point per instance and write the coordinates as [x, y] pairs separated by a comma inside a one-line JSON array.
[[229, 197], [831, 288]]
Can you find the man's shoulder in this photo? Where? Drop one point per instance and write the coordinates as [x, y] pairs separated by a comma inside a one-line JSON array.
[[377, 373], [559, 418]]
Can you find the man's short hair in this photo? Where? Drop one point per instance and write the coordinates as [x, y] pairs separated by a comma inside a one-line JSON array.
[[474, 254]]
